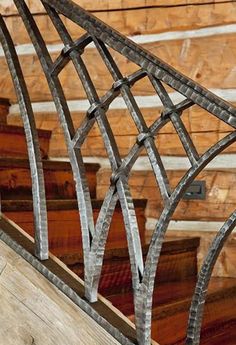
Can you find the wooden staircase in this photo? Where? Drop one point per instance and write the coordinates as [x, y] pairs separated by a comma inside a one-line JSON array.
[[177, 270]]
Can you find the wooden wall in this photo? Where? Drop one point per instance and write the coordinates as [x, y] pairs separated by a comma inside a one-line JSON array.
[[197, 37]]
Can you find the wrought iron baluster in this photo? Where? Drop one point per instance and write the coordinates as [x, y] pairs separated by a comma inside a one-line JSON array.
[[94, 238], [75, 156], [173, 113], [119, 186], [36, 167], [199, 297], [145, 137]]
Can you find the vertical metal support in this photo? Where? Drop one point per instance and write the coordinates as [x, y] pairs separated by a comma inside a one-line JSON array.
[[36, 167]]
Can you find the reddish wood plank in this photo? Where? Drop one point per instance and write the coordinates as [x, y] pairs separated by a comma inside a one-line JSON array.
[[15, 179], [64, 225]]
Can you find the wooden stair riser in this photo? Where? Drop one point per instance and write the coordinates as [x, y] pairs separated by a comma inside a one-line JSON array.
[[15, 180], [219, 309], [174, 265], [4, 110], [13, 142], [65, 230]]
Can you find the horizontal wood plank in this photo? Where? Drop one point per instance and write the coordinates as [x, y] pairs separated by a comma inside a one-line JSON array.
[[220, 194], [203, 133], [181, 54], [225, 265], [37, 311], [64, 224], [98, 5], [136, 21]]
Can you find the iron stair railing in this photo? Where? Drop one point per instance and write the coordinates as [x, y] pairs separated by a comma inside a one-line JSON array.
[[160, 74]]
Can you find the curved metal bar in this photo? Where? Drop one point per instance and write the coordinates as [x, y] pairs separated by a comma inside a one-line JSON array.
[[75, 156], [94, 239], [147, 138], [36, 167], [149, 62], [94, 256], [64, 58], [145, 293], [199, 297]]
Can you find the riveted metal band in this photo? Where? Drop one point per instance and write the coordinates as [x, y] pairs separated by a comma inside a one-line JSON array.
[[142, 137], [117, 175], [119, 83]]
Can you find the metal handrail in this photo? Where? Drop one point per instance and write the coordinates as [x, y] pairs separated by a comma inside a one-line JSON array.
[[160, 74]]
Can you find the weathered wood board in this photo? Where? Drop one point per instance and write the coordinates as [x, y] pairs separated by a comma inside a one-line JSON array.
[[225, 265], [136, 21], [64, 225], [183, 55], [203, 133], [8, 6], [220, 194], [35, 312], [15, 179]]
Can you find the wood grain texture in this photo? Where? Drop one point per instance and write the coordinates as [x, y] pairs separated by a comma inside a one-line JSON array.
[[8, 6], [220, 194], [37, 312], [138, 21], [13, 142], [178, 262], [184, 55], [225, 265], [171, 304], [64, 224], [203, 133], [53, 264], [15, 179], [4, 110], [219, 310]]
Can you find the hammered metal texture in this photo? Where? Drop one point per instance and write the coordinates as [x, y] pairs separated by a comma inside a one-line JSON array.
[[161, 76]]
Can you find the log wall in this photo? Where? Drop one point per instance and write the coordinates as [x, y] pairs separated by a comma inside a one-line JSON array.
[[197, 37]]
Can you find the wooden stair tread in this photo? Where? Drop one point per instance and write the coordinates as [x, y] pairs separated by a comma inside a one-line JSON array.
[[64, 225], [27, 205], [165, 295], [15, 179], [47, 164], [20, 130], [171, 303], [13, 141], [170, 245], [176, 264], [224, 335], [218, 288]]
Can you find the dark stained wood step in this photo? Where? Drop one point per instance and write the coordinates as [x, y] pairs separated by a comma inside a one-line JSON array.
[[171, 305], [4, 110], [15, 179], [13, 143], [178, 262], [223, 335], [165, 294], [64, 224]]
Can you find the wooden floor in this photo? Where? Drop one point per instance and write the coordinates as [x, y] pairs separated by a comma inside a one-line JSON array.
[[33, 311]]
